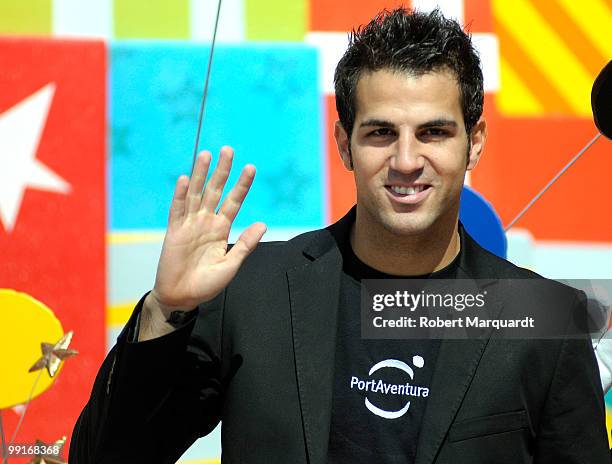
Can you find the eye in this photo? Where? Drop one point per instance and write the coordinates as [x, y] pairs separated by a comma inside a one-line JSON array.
[[381, 132], [435, 132]]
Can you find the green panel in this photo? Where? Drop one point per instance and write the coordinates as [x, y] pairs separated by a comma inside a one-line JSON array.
[[159, 19], [25, 17], [276, 19]]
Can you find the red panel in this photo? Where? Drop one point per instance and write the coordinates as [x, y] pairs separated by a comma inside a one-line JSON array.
[[56, 250], [341, 182], [344, 15], [522, 155]]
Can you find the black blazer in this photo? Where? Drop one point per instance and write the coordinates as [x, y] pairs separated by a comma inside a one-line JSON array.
[[260, 357]]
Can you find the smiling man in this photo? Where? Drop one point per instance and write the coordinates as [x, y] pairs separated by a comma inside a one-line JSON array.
[[409, 150], [273, 348]]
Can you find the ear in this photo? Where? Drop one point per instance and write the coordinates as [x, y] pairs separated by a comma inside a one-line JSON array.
[[478, 137], [343, 142]]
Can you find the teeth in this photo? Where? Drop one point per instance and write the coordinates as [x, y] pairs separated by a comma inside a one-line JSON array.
[[407, 190]]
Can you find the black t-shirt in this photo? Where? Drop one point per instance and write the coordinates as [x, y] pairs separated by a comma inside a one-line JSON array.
[[380, 386]]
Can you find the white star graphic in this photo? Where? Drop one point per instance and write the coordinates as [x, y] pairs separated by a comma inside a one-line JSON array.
[[20, 130]]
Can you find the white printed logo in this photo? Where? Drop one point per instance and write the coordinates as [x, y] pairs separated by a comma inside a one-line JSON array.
[[379, 386]]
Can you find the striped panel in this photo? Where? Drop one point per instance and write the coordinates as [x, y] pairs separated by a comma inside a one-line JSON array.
[[594, 18], [551, 52], [532, 77], [25, 17], [76, 18], [572, 35], [522, 96], [159, 19]]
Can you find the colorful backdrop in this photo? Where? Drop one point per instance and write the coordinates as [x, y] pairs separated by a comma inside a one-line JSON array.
[[98, 110]]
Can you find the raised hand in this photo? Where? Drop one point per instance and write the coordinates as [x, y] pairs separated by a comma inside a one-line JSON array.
[[195, 265]]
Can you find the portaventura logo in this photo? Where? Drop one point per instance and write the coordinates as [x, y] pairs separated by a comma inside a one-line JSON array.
[[379, 386]]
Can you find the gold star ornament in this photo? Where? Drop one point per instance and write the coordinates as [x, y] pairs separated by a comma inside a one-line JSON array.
[[54, 354]]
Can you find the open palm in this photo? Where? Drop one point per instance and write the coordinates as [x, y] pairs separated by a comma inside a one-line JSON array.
[[195, 265]]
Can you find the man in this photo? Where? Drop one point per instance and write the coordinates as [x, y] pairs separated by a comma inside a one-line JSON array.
[[274, 348]]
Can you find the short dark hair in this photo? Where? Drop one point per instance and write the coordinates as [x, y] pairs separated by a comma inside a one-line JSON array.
[[412, 42]]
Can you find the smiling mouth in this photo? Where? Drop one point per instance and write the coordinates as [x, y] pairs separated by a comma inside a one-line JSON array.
[[407, 191], [412, 195]]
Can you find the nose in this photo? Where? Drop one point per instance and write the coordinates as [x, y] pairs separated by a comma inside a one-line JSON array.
[[406, 157]]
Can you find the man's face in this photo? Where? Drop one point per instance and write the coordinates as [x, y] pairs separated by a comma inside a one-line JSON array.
[[409, 151]]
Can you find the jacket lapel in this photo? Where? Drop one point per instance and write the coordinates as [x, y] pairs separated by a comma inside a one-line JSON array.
[[457, 359], [455, 367], [314, 290]]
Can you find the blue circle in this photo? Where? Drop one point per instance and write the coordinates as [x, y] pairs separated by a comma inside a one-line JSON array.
[[482, 222]]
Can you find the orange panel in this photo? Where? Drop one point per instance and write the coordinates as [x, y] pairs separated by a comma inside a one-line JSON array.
[[478, 16], [484, 177], [341, 182], [522, 155], [343, 15]]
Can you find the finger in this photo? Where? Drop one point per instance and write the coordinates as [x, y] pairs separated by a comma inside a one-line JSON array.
[[177, 207], [246, 243], [232, 203], [196, 184], [214, 188]]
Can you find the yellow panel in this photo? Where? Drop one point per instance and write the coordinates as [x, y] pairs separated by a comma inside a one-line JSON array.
[[159, 19], [515, 98], [594, 17], [609, 425], [25, 17], [117, 316], [285, 20], [548, 52]]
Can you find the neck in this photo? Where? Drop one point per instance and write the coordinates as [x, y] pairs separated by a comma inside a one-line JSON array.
[[395, 254]]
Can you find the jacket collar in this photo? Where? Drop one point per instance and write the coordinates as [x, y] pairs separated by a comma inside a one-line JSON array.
[[474, 261]]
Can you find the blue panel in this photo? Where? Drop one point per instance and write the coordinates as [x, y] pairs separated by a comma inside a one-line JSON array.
[[263, 100]]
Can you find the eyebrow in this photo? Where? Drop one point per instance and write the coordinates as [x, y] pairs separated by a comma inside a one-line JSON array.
[[438, 123], [441, 122], [376, 123]]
